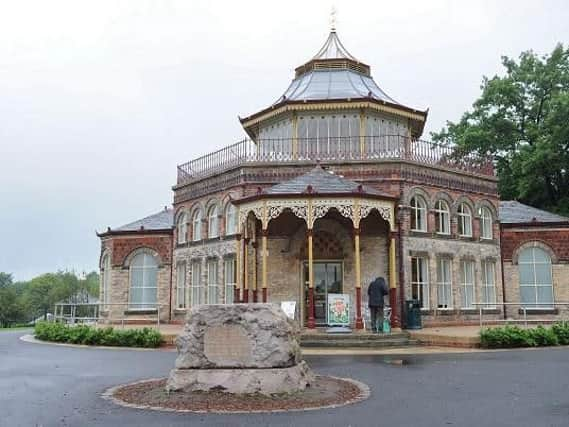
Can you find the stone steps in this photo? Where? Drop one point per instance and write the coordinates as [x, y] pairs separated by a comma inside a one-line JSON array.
[[356, 340]]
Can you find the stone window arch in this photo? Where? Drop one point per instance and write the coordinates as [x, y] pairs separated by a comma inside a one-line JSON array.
[[464, 220], [213, 222], [418, 213], [535, 277], [182, 228], [197, 225], [442, 217], [230, 219], [143, 280]]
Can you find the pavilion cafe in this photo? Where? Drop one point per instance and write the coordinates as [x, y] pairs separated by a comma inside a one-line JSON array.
[[332, 187]]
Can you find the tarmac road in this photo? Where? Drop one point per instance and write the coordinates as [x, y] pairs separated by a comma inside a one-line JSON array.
[[47, 385]]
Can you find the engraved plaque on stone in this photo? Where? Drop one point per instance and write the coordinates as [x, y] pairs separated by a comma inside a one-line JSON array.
[[227, 346]]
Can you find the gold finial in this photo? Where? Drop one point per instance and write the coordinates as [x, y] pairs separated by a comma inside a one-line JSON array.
[[333, 14]]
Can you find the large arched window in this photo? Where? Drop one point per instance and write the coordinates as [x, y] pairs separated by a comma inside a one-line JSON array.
[[442, 217], [485, 223], [143, 280], [231, 219], [197, 225], [418, 214], [536, 285], [464, 220], [212, 222], [182, 228], [106, 279]]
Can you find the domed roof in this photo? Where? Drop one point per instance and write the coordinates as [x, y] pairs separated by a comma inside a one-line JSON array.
[[333, 73]]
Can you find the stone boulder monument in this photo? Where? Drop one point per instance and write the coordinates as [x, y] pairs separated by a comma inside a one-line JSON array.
[[239, 348]]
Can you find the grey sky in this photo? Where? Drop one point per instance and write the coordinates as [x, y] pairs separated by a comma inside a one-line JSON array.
[[99, 101]]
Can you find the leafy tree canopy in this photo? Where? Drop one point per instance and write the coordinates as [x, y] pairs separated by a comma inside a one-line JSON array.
[[522, 119]]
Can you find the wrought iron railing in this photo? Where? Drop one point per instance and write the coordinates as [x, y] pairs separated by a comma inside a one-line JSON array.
[[340, 149]]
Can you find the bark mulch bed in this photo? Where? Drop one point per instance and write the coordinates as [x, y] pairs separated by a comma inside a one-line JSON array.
[[325, 392]]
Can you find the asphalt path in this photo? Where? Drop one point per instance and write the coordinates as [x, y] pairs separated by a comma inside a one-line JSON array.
[[48, 385]]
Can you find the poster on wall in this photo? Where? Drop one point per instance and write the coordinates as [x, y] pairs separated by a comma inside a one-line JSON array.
[[338, 310], [289, 307]]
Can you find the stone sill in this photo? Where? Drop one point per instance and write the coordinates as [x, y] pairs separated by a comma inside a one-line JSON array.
[[537, 311], [180, 310], [445, 311], [134, 311]]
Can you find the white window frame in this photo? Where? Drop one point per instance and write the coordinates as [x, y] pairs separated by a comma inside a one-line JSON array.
[[419, 213], [181, 287], [535, 285], [486, 231], [148, 269], [444, 284], [196, 287], [416, 263], [197, 226], [212, 266], [182, 228], [229, 274], [213, 222], [467, 283], [488, 285], [464, 214], [442, 217], [231, 219]]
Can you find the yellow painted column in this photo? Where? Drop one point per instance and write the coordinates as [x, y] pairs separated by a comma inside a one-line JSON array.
[[236, 297], [264, 264], [245, 296], [395, 318], [392, 272], [359, 321], [311, 319]]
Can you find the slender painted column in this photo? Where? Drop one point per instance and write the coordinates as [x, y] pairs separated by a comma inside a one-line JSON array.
[[236, 296], [311, 320], [255, 281], [245, 270], [264, 263], [359, 322]]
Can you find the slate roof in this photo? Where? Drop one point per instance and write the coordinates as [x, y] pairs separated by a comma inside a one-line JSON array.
[[321, 181], [158, 221], [512, 212]]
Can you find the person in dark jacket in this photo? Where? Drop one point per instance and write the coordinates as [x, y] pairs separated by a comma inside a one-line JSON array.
[[376, 292]]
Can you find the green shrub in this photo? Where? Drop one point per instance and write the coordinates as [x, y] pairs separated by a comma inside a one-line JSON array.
[[513, 336], [89, 335]]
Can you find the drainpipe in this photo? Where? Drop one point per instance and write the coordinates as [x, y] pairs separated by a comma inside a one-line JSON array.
[[171, 275], [504, 315]]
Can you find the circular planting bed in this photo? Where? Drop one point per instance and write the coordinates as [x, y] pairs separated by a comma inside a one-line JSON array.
[[325, 392]]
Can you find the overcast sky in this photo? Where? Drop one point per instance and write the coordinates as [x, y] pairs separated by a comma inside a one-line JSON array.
[[100, 100]]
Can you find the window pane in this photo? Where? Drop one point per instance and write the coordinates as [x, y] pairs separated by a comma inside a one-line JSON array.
[[527, 294], [525, 256], [540, 255], [545, 295], [543, 274], [526, 274]]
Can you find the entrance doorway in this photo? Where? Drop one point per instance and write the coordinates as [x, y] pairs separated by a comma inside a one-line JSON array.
[[328, 279]]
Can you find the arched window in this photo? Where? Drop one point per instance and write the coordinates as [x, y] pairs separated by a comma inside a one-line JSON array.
[[181, 285], [418, 214], [464, 220], [106, 279], [143, 279], [197, 226], [485, 223], [182, 228], [212, 222], [231, 219], [442, 217], [536, 285]]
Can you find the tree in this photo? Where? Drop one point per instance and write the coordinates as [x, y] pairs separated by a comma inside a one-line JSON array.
[[522, 119], [9, 309], [44, 291]]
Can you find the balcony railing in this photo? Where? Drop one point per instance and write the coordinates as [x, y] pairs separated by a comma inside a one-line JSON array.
[[341, 149]]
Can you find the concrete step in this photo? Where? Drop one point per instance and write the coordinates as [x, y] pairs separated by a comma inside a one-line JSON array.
[[356, 340]]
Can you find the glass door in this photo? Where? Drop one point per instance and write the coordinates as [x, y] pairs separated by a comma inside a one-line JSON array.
[[327, 280]]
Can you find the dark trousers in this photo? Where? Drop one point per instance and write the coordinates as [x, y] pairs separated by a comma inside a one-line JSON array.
[[376, 314]]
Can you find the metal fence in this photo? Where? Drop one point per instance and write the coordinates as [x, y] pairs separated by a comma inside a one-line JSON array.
[[329, 149], [536, 312], [91, 313]]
